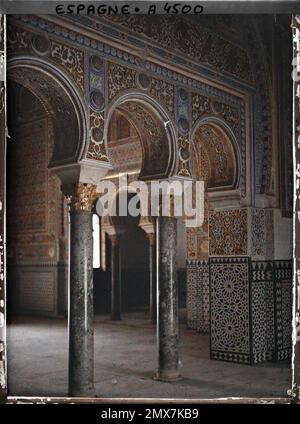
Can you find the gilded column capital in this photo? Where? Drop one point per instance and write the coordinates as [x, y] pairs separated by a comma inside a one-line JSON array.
[[82, 196]]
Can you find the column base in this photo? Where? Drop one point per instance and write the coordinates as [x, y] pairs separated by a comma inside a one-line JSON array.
[[168, 376], [82, 392]]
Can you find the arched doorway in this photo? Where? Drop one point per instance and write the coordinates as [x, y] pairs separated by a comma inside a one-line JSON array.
[[134, 265], [215, 160], [140, 143], [49, 139], [47, 128], [37, 217]]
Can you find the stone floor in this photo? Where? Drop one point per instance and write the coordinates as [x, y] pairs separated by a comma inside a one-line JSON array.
[[125, 361]]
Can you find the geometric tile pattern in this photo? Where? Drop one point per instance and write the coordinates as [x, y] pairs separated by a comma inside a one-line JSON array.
[[262, 311], [230, 313], [283, 308], [197, 302], [251, 309]]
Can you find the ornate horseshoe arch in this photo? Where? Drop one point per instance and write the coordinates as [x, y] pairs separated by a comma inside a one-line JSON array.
[[220, 143], [156, 132], [61, 100]]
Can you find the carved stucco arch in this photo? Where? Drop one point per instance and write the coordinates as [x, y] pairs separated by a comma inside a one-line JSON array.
[[229, 143], [61, 100], [157, 163]]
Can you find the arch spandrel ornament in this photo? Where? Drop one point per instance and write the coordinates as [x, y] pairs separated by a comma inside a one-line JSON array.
[[54, 72]]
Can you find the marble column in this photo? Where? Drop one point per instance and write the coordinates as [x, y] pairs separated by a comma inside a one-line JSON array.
[[115, 280], [152, 277], [167, 299], [81, 314]]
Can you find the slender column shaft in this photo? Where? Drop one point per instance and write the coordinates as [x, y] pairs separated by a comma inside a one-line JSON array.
[[116, 298], [81, 339], [167, 299], [152, 277]]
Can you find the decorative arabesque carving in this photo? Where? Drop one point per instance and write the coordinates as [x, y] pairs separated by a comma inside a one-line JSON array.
[[187, 37], [202, 105], [184, 156], [120, 78], [164, 92], [71, 59], [96, 149]]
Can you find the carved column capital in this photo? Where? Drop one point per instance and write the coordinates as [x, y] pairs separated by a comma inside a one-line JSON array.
[[81, 197]]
